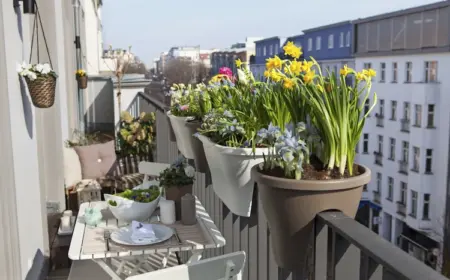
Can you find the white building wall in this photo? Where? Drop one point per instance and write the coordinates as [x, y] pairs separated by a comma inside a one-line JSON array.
[[92, 28], [437, 138]]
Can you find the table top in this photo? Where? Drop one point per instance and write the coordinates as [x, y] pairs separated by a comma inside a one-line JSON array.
[[88, 242]]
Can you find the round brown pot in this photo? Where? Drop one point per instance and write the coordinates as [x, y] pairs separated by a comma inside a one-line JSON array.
[[175, 193], [42, 91], [290, 207], [82, 82]]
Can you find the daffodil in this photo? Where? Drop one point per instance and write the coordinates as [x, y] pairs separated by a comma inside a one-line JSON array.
[[306, 66], [274, 63], [371, 73], [292, 50], [295, 67], [361, 76], [267, 73], [288, 83], [238, 63], [319, 87], [345, 70], [275, 75], [309, 76]]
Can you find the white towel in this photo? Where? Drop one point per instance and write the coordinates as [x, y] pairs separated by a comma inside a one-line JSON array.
[[142, 233]]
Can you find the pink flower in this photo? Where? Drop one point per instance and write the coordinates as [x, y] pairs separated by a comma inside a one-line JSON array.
[[226, 71], [184, 108]]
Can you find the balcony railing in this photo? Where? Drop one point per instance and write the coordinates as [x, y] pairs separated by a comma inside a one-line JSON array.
[[403, 167], [405, 125], [377, 197], [378, 158], [401, 208], [340, 247], [380, 120]]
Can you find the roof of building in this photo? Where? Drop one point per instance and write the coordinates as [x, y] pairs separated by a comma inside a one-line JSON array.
[[268, 38], [412, 10], [327, 26]]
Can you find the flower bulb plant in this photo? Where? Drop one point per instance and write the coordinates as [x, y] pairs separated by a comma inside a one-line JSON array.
[[35, 71], [136, 135], [80, 73], [180, 173]]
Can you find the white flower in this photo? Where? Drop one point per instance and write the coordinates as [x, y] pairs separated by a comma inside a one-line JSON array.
[[189, 171], [46, 69], [31, 75], [22, 67]]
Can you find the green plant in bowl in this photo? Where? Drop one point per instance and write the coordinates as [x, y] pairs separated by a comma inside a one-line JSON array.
[[142, 196]]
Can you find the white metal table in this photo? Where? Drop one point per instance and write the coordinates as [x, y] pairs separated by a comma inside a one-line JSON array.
[[88, 242]]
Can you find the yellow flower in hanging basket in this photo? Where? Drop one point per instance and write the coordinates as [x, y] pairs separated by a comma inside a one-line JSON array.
[[80, 73]]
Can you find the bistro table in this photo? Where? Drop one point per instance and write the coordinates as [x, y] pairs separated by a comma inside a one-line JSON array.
[[88, 243]]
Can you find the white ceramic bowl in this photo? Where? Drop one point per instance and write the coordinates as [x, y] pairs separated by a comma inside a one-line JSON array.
[[129, 210]]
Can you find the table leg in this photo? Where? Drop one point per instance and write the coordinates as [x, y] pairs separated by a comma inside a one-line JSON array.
[[196, 256], [107, 269]]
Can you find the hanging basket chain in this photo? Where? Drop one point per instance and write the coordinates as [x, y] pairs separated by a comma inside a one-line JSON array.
[[36, 31]]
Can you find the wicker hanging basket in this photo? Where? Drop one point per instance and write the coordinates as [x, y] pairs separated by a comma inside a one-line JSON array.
[[42, 91], [82, 82]]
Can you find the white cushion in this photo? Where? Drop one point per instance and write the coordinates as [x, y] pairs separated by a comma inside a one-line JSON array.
[[72, 167]]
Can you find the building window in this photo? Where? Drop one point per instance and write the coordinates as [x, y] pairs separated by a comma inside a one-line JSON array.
[[413, 204], [341, 40], [408, 72], [380, 144], [430, 71], [335, 71], [276, 48], [367, 65], [270, 50], [366, 106], [430, 119], [405, 151], [393, 110], [428, 161], [264, 51], [394, 72], [417, 115], [330, 41], [392, 148], [379, 181], [318, 42], [426, 207], [347, 39], [403, 190], [406, 110], [310, 44], [416, 163], [390, 193], [382, 72], [381, 107], [366, 143]]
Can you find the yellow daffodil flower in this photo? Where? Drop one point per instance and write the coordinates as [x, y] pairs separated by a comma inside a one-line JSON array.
[[295, 67], [306, 66], [320, 88], [274, 63], [361, 76], [345, 70], [288, 83], [371, 73], [238, 63], [267, 74], [276, 76], [292, 50], [309, 76]]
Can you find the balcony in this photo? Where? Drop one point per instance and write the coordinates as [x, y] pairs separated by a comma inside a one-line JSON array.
[[403, 167], [405, 125], [340, 247], [378, 158], [401, 208], [377, 197], [380, 120]]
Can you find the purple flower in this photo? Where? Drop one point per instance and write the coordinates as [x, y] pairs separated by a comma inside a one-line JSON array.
[[184, 107]]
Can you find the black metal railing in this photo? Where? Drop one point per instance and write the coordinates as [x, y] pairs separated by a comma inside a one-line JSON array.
[[341, 248]]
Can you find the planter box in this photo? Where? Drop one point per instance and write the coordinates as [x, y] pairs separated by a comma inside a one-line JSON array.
[[231, 174]]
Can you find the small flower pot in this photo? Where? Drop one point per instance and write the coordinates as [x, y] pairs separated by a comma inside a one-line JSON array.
[[82, 82], [175, 193], [291, 205], [230, 172], [42, 91], [190, 147]]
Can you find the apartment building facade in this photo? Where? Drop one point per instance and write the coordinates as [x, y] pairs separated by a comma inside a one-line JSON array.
[[405, 141], [264, 49]]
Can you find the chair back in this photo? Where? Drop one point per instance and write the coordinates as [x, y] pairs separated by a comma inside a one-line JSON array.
[[151, 168], [226, 267]]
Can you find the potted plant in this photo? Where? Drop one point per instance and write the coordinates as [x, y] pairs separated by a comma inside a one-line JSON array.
[[82, 78], [177, 180], [41, 82], [228, 136], [310, 169], [188, 105]]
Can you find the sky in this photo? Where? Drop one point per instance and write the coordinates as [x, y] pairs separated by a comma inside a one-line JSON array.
[[154, 26]]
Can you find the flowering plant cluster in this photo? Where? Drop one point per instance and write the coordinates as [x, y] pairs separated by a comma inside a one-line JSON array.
[[180, 173], [80, 73], [35, 71], [136, 135], [142, 196]]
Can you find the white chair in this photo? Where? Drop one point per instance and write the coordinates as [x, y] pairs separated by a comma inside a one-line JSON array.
[[225, 267], [151, 168]]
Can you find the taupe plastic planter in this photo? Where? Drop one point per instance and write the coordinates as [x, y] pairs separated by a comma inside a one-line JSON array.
[[189, 146], [291, 206]]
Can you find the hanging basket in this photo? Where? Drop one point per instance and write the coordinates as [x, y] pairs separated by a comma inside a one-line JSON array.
[[82, 82], [42, 91]]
